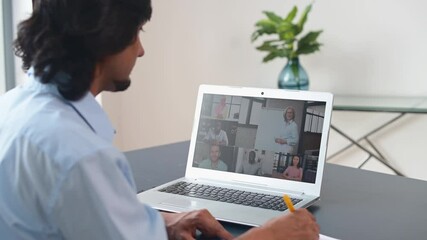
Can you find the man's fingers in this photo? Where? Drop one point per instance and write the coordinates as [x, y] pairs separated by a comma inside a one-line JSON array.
[[224, 234], [186, 236], [213, 232], [218, 230], [209, 226]]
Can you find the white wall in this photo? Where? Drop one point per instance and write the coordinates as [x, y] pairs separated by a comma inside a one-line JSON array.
[[371, 47]]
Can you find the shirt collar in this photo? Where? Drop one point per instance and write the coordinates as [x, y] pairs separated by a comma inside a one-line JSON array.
[[86, 107], [95, 116]]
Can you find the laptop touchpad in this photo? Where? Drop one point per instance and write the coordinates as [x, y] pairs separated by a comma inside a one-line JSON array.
[[180, 202]]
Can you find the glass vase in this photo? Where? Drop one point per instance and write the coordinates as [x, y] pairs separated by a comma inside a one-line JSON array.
[[293, 76]]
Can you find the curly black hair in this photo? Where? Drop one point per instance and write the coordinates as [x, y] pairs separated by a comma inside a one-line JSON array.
[[71, 36]]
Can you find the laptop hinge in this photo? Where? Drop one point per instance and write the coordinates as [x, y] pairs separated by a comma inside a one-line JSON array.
[[255, 186], [264, 187]]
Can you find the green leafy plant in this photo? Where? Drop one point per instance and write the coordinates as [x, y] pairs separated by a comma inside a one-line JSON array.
[[286, 44]]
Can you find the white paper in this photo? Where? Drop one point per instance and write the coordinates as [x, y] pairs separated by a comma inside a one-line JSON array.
[[323, 237]]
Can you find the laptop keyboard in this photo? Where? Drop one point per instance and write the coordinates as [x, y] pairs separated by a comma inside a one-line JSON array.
[[229, 195]]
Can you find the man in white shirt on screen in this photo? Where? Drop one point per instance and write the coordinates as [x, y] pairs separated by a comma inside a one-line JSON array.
[[216, 135]]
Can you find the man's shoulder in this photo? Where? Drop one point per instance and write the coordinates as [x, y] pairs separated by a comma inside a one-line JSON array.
[[54, 122], [51, 125], [223, 165], [205, 162]]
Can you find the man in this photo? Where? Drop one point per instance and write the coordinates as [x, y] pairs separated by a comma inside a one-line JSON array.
[[216, 135], [251, 166], [213, 162], [60, 176]]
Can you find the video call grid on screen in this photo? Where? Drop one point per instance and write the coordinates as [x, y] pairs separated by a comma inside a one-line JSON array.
[[249, 135]]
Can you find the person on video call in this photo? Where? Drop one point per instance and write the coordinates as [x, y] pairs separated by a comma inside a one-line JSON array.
[[60, 175], [251, 166], [214, 162], [216, 135], [221, 110], [293, 171], [288, 136]]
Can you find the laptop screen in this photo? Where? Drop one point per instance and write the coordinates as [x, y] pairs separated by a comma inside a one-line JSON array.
[[268, 137]]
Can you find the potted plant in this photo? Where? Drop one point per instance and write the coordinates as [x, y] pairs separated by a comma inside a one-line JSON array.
[[287, 44]]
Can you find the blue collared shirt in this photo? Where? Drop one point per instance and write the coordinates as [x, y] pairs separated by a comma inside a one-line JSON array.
[[60, 176]]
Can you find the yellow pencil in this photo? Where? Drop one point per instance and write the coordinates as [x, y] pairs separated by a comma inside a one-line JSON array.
[[288, 203]]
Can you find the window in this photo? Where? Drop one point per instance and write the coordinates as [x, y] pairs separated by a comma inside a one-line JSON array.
[[245, 111], [250, 110], [226, 107], [7, 79], [314, 118], [2, 67]]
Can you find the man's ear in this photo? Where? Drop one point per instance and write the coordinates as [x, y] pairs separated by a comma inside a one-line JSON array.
[[96, 85]]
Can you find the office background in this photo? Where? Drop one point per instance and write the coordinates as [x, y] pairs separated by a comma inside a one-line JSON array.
[[370, 48]]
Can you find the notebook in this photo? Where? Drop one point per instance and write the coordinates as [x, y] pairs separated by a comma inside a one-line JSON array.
[[249, 147]]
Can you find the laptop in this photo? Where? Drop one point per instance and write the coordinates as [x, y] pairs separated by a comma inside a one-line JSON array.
[[249, 147]]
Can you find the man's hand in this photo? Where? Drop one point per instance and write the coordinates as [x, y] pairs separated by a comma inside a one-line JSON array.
[[183, 226], [299, 225]]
